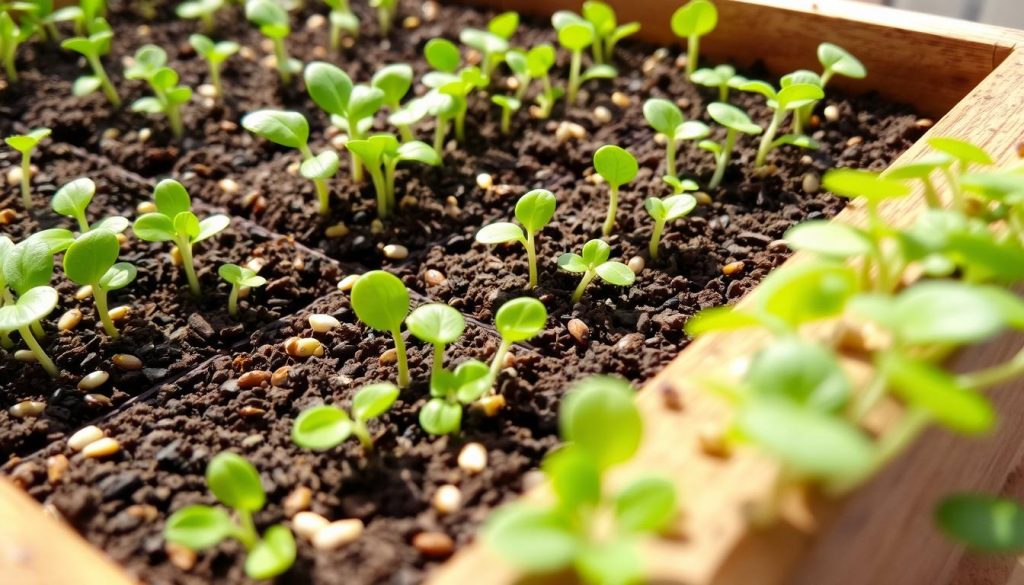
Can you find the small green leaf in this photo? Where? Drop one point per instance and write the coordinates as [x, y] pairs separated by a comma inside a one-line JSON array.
[[599, 416], [804, 373], [720, 319], [380, 300], [73, 198], [321, 428], [85, 85], [614, 561], [576, 36], [394, 80], [436, 323], [697, 17], [596, 252], [417, 151], [198, 527], [574, 476], [210, 227], [91, 256], [733, 118], [941, 312], [321, 166], [572, 263], [31, 306], [171, 198], [499, 233], [982, 522], [835, 58], [115, 224], [329, 86], [439, 417], [272, 555], [833, 240], [663, 115], [520, 319], [473, 379], [285, 128], [266, 13], [535, 209], [235, 482], [935, 391], [56, 239], [442, 55], [616, 273], [504, 25], [853, 183], [154, 227], [540, 59], [119, 276], [483, 41], [677, 206], [806, 292], [615, 164], [692, 130], [28, 265], [532, 538], [798, 95], [646, 505], [373, 400], [963, 151]]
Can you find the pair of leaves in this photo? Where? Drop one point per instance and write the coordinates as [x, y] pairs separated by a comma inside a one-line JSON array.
[[670, 208], [442, 414], [436, 323], [174, 219], [534, 210], [694, 19], [92, 260], [520, 319], [31, 306], [666, 117], [240, 276], [325, 427], [595, 259], [719, 76], [385, 149], [790, 97], [26, 143], [214, 52]]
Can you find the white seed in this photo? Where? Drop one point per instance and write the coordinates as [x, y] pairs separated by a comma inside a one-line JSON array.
[[27, 408], [337, 534], [294, 168], [396, 252], [145, 134], [303, 347], [660, 139], [207, 90], [14, 176], [85, 436], [307, 524], [473, 458], [924, 123], [484, 181], [636, 264], [620, 99], [145, 207], [811, 183], [104, 447], [447, 499], [323, 323], [93, 380], [255, 264], [831, 113], [430, 10], [411, 22], [120, 312], [25, 356], [297, 501], [511, 83], [346, 284], [338, 230], [176, 256], [316, 22], [570, 131], [229, 186], [127, 362], [339, 141], [602, 114], [83, 293]]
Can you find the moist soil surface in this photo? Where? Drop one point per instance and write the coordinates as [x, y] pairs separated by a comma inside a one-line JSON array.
[[185, 405]]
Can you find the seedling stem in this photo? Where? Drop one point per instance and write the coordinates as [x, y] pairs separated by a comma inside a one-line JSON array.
[[37, 350]]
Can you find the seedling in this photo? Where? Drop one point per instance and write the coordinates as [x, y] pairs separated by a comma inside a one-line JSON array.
[[381, 302], [351, 107], [692, 21], [517, 320], [292, 130], [239, 277], [85, 12], [11, 37], [585, 529], [788, 99], [666, 118], [26, 144], [381, 155], [680, 185], [325, 427], [27, 267], [439, 325], [21, 315], [72, 199], [450, 392], [490, 44], [722, 77], [204, 11], [272, 21], [173, 221], [236, 484], [609, 32], [802, 114], [617, 167], [539, 61], [922, 170], [735, 121], [93, 47], [508, 105], [215, 54], [837, 60], [394, 81], [386, 10], [593, 263], [534, 210], [342, 19], [150, 65], [92, 261], [576, 36], [663, 211]]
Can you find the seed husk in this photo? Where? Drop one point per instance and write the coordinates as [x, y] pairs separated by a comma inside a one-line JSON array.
[[854, 140], [253, 379], [433, 544], [337, 534], [447, 499], [621, 100], [473, 458], [251, 412], [98, 400], [27, 408], [732, 268], [104, 447], [83, 437], [492, 404], [93, 380], [25, 356], [7, 215], [389, 357], [307, 524], [128, 362], [338, 230], [303, 347]]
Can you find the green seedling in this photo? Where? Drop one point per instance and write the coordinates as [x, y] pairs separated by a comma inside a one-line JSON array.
[[922, 170], [492, 44], [325, 427], [692, 21], [965, 155], [72, 200], [534, 210], [585, 529], [381, 302], [617, 167], [351, 107], [386, 11], [81, 15], [27, 266], [594, 263], [92, 261], [23, 314], [394, 81], [272, 21], [215, 55], [450, 392], [663, 211], [517, 320], [722, 77], [439, 325], [539, 61], [609, 32], [6, 245], [26, 145], [984, 523], [93, 47], [239, 277], [665, 117], [173, 221], [509, 105], [11, 37], [291, 129], [342, 20], [788, 99], [834, 60], [680, 185], [381, 155], [735, 121], [801, 115], [205, 11], [576, 36], [236, 484], [150, 65]]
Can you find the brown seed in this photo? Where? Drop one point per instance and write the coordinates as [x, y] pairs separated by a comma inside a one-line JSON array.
[[396, 252], [492, 404], [93, 380], [144, 512], [338, 230], [854, 140], [434, 277], [253, 379], [98, 400], [712, 442], [567, 131], [924, 123], [473, 458], [621, 100], [104, 447], [411, 22], [56, 465], [732, 268], [27, 408], [127, 362], [7, 215], [280, 376], [297, 501], [303, 347], [670, 397], [389, 356], [251, 411], [181, 557], [579, 331], [702, 198], [14, 176], [433, 544], [1020, 149]]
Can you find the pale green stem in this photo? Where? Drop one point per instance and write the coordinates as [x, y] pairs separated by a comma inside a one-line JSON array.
[[174, 119], [723, 93], [37, 350], [659, 226], [867, 400], [322, 193], [995, 375], [83, 222], [185, 249], [26, 180], [692, 54], [247, 534], [362, 434], [613, 206], [549, 91], [335, 37], [5, 340], [233, 300], [390, 167], [101, 74], [524, 86], [670, 156], [37, 328], [403, 361], [768, 138], [281, 55], [531, 258], [460, 126], [496, 363], [99, 296], [931, 195], [723, 159], [381, 189], [215, 79], [439, 133], [438, 358], [12, 71], [384, 18], [588, 277], [506, 120], [574, 77], [598, 50], [954, 188]]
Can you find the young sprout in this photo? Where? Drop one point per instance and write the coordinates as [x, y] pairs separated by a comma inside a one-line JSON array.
[[663, 211], [576, 36], [342, 19], [692, 21], [236, 484], [26, 144], [665, 117], [722, 77], [609, 32], [534, 211], [173, 221], [27, 267], [450, 392], [517, 320], [150, 65], [492, 44], [439, 325], [617, 167], [204, 11], [92, 261], [788, 99], [386, 10], [272, 20], [292, 130], [680, 185], [801, 115], [85, 12], [835, 59], [922, 169], [325, 427], [72, 199], [21, 315], [381, 302], [508, 105], [735, 121], [593, 263], [239, 277], [215, 54], [11, 36], [539, 61], [381, 154], [93, 47], [394, 81]]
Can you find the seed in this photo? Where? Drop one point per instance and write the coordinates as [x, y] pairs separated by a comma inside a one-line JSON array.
[[473, 57], [7, 215], [670, 397], [104, 447], [119, 313], [620, 99], [602, 114], [338, 230], [411, 22], [297, 501], [176, 256], [207, 90], [145, 512], [924, 123], [579, 331], [27, 408], [316, 22], [492, 404], [251, 411], [570, 131], [396, 251], [145, 207], [510, 360], [430, 10], [125, 361], [346, 284], [831, 113], [307, 524], [85, 436], [323, 323], [83, 293], [806, 160], [390, 356], [14, 176], [511, 83], [711, 440], [25, 356], [339, 141], [433, 544], [637, 264], [56, 465], [250, 198], [97, 400], [484, 181], [660, 139], [145, 134], [732, 268], [122, 239], [376, 227], [180, 556], [228, 186], [854, 140], [280, 376], [447, 499], [811, 183], [407, 202], [473, 458], [337, 534], [702, 198], [93, 380], [253, 379], [303, 347]]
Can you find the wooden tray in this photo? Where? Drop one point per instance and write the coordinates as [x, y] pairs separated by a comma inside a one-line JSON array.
[[971, 79]]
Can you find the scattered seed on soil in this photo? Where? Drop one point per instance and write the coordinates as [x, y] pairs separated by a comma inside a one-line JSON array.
[[732, 268], [120, 313], [323, 323], [473, 458], [831, 113], [670, 397], [637, 264], [25, 356], [253, 379], [104, 447], [854, 140], [307, 524], [396, 252], [433, 544], [83, 293], [447, 499], [85, 436], [180, 556], [56, 465], [579, 331], [491, 405], [126, 362], [702, 198], [711, 441], [602, 114], [924, 123], [297, 501], [484, 181], [303, 347], [280, 376], [811, 183], [7, 215], [27, 408], [338, 230], [389, 357], [621, 100], [337, 534], [251, 412], [434, 277], [93, 380], [98, 400]]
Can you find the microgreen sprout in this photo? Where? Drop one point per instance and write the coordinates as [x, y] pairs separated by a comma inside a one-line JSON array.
[[680, 185], [517, 320], [439, 325], [239, 277], [666, 117], [663, 211], [607, 28], [539, 61], [788, 99], [292, 130], [150, 65], [381, 302], [272, 21], [594, 263], [837, 60], [12, 36], [386, 10], [509, 105], [450, 392], [735, 121], [27, 270], [173, 221], [342, 19], [722, 77], [922, 169], [534, 210], [381, 155], [93, 47], [85, 12], [26, 144], [92, 261], [72, 200], [236, 484], [204, 11], [325, 427], [31, 307], [692, 21], [492, 44], [215, 55], [575, 36], [617, 167], [394, 81]]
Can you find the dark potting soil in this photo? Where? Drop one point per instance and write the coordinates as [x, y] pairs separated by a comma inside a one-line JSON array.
[[185, 406]]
